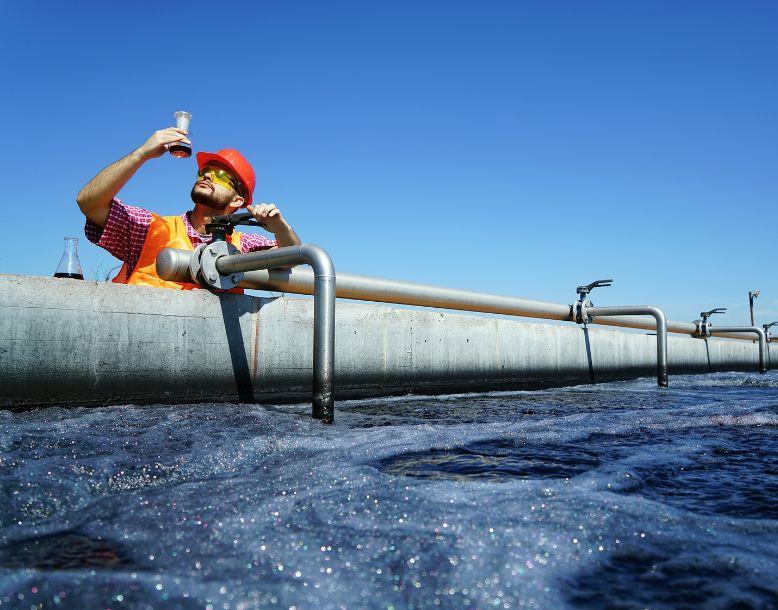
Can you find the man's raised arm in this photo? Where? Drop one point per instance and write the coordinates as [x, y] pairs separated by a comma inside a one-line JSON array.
[[95, 198]]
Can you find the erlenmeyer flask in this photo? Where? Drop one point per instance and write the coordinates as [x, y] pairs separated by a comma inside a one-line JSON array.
[[69, 266]]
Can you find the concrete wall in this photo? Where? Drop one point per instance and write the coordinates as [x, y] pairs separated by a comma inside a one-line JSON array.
[[72, 342]]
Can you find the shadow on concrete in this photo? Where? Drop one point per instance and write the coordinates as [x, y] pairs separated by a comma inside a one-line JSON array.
[[233, 307], [589, 353]]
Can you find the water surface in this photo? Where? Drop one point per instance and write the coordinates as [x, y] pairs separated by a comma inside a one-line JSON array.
[[618, 495]]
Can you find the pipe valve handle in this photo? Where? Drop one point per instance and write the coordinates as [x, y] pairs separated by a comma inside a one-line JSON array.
[[221, 226], [584, 290]]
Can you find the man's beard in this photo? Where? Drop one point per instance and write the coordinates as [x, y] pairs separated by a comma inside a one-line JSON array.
[[210, 199]]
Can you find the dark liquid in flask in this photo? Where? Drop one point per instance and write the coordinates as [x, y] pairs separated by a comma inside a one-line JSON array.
[[70, 276], [180, 150]]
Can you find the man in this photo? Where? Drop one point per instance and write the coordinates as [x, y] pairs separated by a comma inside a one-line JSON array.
[[224, 184]]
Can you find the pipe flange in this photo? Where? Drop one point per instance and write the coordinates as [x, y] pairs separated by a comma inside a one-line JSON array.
[[195, 268], [208, 273], [587, 319], [575, 310], [703, 329], [579, 312]]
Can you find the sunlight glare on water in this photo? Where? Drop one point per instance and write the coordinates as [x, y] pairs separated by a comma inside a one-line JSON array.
[[618, 494]]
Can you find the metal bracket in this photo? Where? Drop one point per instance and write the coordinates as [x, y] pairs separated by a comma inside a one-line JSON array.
[[203, 266], [578, 309], [703, 324]]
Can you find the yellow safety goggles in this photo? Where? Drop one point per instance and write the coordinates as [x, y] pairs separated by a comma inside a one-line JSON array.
[[219, 176]]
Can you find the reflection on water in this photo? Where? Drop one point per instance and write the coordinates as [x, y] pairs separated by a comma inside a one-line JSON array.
[[618, 495], [66, 551], [494, 460], [734, 470]]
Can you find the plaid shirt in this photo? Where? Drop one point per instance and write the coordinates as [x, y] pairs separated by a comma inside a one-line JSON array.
[[125, 233]]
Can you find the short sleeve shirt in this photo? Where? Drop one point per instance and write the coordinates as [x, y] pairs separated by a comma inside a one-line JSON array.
[[127, 227]]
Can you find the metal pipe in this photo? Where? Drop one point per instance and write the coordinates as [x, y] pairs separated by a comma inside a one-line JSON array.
[[661, 331], [323, 311], [366, 288], [174, 265], [748, 329], [769, 335], [752, 294]]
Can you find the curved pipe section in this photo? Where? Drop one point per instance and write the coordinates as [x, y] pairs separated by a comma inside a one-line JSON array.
[[323, 311], [661, 331], [718, 330], [174, 265]]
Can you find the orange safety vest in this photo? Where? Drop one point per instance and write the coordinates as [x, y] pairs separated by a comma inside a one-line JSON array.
[[164, 232]]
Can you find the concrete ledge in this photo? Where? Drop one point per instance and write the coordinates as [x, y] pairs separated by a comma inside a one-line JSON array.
[[72, 342]]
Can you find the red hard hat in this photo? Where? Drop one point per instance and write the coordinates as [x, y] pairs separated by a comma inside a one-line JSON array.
[[236, 163]]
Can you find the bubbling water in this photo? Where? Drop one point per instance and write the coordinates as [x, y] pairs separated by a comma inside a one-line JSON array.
[[616, 495]]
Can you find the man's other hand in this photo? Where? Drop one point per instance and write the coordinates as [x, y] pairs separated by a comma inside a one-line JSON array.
[[269, 216], [158, 143]]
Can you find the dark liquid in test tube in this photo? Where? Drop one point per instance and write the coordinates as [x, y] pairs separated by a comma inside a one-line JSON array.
[[180, 150]]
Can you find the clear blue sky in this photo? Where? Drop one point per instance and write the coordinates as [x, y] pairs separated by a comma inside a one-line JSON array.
[[511, 147]]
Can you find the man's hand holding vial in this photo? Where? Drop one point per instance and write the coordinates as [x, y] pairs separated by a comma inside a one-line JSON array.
[[172, 139]]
